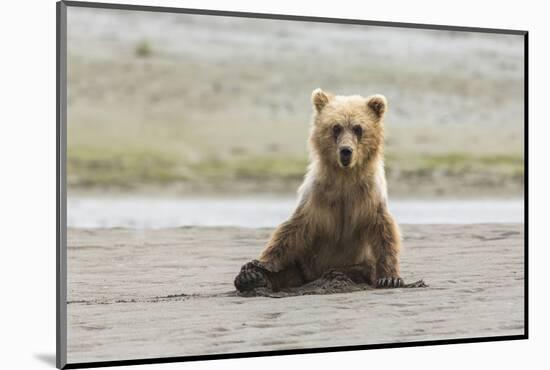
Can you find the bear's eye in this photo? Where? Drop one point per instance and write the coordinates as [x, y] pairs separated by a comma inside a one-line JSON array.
[[358, 130], [336, 129]]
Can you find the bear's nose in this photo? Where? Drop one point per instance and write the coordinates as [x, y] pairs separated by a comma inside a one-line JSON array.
[[346, 152]]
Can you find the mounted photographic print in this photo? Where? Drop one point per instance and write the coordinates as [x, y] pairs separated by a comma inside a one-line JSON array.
[[236, 184]]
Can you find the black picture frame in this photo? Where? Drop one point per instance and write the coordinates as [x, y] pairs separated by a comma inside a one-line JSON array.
[[61, 186]]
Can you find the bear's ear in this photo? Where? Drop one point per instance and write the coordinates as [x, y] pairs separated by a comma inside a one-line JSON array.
[[319, 98], [377, 104]]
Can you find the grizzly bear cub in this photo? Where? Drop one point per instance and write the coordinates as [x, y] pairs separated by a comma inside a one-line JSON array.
[[342, 222]]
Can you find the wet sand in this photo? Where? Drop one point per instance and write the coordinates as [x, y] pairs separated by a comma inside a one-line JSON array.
[[159, 293]]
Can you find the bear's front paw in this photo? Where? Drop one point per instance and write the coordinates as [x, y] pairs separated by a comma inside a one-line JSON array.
[[253, 275], [390, 282]]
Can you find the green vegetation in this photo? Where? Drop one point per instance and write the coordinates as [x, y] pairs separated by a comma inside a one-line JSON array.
[[261, 168], [143, 49], [456, 164], [89, 168]]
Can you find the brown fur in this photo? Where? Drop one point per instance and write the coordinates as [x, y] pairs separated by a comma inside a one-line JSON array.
[[342, 221]]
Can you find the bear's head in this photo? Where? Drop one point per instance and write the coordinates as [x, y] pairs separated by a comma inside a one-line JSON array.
[[347, 131]]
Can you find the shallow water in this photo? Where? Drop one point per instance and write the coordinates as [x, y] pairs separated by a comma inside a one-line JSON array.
[[150, 212]]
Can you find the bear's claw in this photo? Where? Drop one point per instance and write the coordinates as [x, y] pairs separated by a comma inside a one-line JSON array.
[[252, 276], [390, 282]]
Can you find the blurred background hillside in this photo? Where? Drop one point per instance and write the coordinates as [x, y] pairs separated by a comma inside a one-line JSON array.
[[187, 104]]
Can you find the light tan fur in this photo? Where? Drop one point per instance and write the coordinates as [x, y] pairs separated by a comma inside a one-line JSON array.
[[342, 220]]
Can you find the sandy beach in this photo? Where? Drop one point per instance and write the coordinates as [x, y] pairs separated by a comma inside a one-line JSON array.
[[168, 292]]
